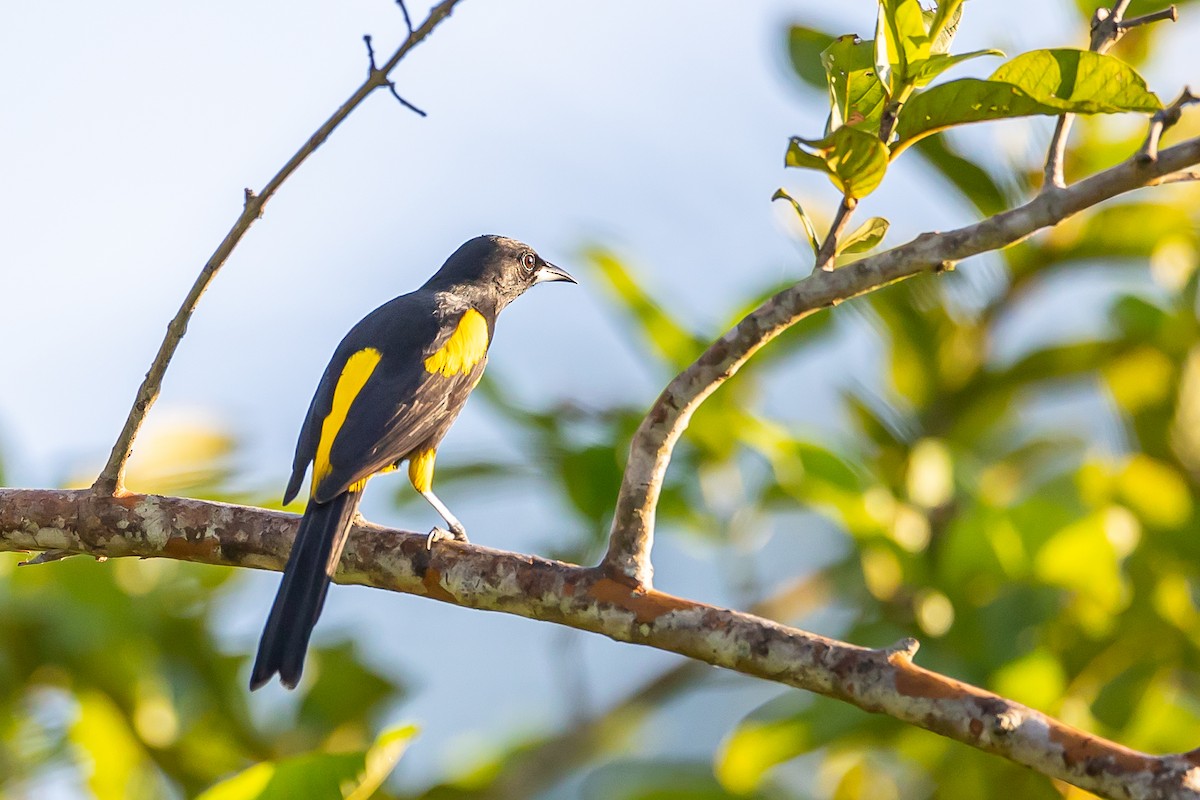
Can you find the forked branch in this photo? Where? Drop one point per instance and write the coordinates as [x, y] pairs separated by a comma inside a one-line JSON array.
[[628, 556], [112, 478]]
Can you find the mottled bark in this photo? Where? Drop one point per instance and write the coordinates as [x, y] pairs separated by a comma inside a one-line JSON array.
[[884, 681]]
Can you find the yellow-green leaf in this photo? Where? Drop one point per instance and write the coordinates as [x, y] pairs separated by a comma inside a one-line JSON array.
[[854, 161], [809, 231], [353, 776], [1046, 82], [866, 236], [856, 97], [1079, 81], [901, 42], [936, 64]]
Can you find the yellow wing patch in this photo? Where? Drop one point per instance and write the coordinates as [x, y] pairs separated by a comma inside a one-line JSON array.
[[465, 348], [353, 378]]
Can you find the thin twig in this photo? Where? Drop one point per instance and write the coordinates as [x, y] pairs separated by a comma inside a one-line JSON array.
[[632, 536], [1169, 14], [1108, 26], [1164, 119], [112, 478], [407, 18], [883, 680], [375, 73]]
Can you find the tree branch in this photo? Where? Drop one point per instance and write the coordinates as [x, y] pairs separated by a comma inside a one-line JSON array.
[[112, 478], [628, 556], [882, 681], [1108, 26]]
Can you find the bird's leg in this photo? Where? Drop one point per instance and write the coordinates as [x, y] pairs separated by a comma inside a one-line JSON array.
[[457, 531]]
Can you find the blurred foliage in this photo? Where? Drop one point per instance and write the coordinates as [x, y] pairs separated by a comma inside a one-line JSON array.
[[114, 685], [1018, 487]]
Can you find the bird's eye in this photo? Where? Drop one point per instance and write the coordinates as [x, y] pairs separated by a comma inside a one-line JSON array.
[[529, 261]]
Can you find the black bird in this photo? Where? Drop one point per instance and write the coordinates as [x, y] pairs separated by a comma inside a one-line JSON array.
[[391, 391]]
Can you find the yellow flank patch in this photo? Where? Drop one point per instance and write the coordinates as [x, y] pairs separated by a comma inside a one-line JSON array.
[[465, 348], [420, 470], [353, 378]]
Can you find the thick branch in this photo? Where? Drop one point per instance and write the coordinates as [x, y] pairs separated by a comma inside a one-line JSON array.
[[882, 681], [628, 557], [112, 477]]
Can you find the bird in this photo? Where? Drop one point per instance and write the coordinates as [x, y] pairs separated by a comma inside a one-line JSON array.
[[393, 388]]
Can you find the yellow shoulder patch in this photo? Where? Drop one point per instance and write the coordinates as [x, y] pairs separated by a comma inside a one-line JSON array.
[[465, 348], [353, 378]]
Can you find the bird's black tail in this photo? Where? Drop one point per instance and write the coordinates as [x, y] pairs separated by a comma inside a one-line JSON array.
[[315, 555]]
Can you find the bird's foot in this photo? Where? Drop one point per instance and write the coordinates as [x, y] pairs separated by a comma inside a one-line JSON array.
[[458, 534]]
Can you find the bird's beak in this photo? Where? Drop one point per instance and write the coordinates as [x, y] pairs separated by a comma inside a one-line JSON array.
[[548, 272]]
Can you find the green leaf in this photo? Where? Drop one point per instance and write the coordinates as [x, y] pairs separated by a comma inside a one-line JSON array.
[[936, 64], [805, 47], [354, 776], [854, 161], [901, 43], [676, 344], [943, 24], [809, 231], [1046, 82], [866, 236], [856, 97], [1079, 81]]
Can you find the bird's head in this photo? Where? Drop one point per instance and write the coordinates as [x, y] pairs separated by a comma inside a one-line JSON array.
[[494, 271]]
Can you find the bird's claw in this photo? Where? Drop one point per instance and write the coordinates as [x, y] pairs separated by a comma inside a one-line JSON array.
[[442, 535]]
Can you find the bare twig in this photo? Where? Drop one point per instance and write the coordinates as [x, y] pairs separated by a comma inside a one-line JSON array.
[[628, 556], [1108, 26], [407, 18], [388, 82], [112, 478], [879, 680], [1162, 120], [1169, 14]]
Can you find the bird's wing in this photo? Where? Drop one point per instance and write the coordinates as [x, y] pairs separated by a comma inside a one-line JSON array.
[[398, 380]]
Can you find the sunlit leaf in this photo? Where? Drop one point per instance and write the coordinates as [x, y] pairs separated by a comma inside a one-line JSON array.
[[1081, 558], [854, 161], [902, 42], [1036, 679], [864, 237], [1155, 491], [119, 766], [935, 65], [353, 776], [675, 343], [756, 746], [809, 231], [943, 24], [1046, 82], [855, 92], [1079, 81]]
